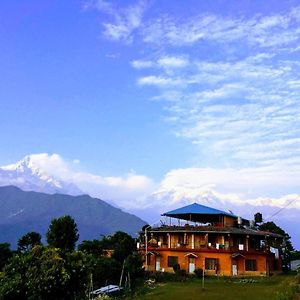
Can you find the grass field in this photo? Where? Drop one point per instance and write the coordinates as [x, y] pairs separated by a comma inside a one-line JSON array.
[[223, 289]]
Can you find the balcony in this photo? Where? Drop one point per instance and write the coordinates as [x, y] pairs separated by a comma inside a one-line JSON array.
[[214, 248]]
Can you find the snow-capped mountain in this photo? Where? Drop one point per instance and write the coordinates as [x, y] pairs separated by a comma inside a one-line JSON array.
[[28, 175]]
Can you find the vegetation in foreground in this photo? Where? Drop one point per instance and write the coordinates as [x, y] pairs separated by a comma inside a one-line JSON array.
[[59, 271], [277, 287]]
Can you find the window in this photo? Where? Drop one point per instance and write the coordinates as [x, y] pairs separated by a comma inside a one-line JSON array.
[[180, 239], [172, 260], [211, 263], [185, 239], [165, 239], [250, 265]]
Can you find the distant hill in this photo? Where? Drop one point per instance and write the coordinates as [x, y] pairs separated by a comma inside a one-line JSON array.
[[22, 212]]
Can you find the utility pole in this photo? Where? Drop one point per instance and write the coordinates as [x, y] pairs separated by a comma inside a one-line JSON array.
[[146, 246], [203, 271]]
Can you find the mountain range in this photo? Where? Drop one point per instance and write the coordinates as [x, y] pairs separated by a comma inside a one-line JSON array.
[[50, 174], [24, 211]]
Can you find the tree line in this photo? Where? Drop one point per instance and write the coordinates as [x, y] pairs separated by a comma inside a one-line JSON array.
[[58, 270]]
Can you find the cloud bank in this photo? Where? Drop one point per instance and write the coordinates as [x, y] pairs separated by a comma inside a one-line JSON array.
[[223, 187], [244, 191]]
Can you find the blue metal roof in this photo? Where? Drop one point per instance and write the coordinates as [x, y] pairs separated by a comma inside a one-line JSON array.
[[196, 209]]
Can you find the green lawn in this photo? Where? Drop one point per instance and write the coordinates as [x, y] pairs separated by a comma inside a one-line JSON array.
[[223, 289]]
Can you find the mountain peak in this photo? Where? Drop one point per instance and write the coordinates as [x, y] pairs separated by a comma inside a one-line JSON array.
[[30, 174]]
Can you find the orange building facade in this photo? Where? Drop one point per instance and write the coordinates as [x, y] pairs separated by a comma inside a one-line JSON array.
[[218, 242]]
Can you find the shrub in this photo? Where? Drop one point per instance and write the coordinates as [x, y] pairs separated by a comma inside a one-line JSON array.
[[176, 267], [287, 290], [181, 275], [198, 272]]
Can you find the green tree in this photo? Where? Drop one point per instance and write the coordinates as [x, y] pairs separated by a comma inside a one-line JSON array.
[[134, 267], [295, 255], [63, 233], [77, 266], [285, 245], [123, 245], [104, 270], [5, 254], [13, 279], [45, 273], [46, 276], [94, 247], [28, 241], [272, 227]]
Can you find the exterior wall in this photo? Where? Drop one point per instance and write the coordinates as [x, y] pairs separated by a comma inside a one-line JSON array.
[[226, 248], [205, 240], [225, 261], [229, 221]]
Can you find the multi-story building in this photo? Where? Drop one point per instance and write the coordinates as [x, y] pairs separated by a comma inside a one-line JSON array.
[[210, 239]]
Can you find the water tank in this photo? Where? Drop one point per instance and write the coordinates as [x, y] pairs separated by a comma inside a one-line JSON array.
[[239, 221], [258, 217]]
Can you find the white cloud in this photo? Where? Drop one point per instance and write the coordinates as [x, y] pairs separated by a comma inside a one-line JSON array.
[[172, 62], [207, 28], [160, 81], [235, 104], [242, 190], [141, 64], [270, 186], [124, 21], [236, 109]]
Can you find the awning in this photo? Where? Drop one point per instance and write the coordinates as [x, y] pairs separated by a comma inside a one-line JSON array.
[[153, 253], [191, 255], [234, 255]]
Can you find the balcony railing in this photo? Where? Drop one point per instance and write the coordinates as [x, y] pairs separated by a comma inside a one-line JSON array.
[[206, 247]]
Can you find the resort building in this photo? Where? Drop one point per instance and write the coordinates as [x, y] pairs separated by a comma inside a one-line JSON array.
[[210, 239]]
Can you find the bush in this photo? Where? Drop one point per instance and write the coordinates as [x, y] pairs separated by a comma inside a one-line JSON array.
[[181, 275], [288, 290], [159, 277], [176, 267], [198, 272]]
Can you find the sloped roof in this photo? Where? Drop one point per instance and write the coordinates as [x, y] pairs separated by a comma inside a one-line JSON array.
[[189, 212]]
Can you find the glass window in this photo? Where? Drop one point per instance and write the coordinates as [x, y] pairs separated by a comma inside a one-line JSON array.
[[250, 265], [211, 263], [172, 260]]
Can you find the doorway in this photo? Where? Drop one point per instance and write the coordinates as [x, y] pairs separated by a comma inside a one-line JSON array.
[[157, 263], [192, 264], [234, 268]]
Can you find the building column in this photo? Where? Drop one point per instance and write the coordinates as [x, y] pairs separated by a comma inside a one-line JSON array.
[[169, 240], [193, 241]]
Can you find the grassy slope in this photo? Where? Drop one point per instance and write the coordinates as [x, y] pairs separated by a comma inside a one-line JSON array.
[[265, 288]]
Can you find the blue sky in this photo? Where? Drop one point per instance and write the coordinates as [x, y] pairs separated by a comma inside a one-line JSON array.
[[177, 99], [67, 89]]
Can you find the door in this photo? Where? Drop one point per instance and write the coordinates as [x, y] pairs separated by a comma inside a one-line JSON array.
[[234, 268], [191, 264], [157, 263]]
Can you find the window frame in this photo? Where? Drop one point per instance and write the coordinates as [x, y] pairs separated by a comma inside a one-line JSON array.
[[211, 263], [171, 263], [250, 265]]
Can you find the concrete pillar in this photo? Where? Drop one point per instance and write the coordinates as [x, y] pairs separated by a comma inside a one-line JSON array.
[[193, 241]]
